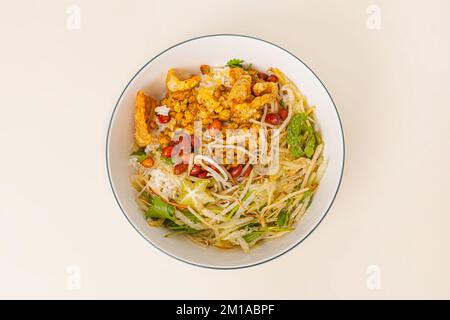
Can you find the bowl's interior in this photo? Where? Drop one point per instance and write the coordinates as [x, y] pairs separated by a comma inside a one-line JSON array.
[[217, 50]]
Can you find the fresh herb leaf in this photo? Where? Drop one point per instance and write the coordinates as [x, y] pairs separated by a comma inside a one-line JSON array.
[[232, 212], [289, 201], [140, 154], [310, 147], [254, 225], [158, 209], [253, 236], [235, 63], [141, 158], [294, 133], [246, 196], [236, 208], [282, 103], [191, 216], [174, 226], [301, 137], [183, 231], [318, 138], [307, 198], [282, 218], [277, 229], [166, 160], [179, 229], [146, 197], [260, 232]]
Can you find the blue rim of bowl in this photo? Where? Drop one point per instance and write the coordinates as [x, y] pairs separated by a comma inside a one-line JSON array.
[[209, 266]]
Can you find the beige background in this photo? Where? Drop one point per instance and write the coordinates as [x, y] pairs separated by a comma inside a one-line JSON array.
[[58, 89]]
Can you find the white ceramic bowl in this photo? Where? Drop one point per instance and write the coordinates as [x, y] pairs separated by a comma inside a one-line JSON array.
[[217, 50]]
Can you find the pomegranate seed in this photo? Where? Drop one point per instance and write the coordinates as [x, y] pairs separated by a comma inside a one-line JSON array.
[[273, 118], [247, 171], [214, 168], [216, 125], [283, 113], [167, 152], [163, 119], [203, 174], [195, 170], [180, 168], [204, 68], [236, 171], [262, 76], [272, 78]]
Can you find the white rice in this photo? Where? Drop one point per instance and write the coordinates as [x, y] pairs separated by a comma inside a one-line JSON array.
[[160, 182]]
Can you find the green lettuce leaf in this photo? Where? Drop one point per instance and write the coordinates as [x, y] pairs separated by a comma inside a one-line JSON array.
[[234, 63], [301, 137], [158, 209]]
